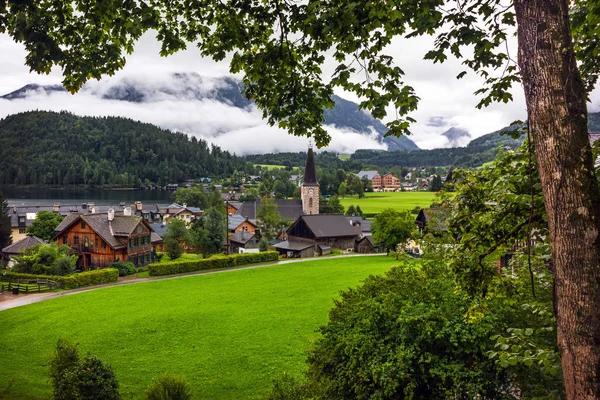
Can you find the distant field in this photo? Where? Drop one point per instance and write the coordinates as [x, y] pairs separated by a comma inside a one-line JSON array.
[[269, 166], [344, 157], [376, 202], [229, 334]]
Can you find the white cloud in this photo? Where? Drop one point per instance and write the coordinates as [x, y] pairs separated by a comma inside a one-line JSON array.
[[241, 131]]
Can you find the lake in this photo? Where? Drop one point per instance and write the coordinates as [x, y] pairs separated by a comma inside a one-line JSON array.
[[50, 196]]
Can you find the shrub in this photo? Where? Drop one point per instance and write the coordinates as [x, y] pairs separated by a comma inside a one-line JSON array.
[[173, 248], [65, 266], [264, 244], [95, 277], [82, 379], [124, 268], [168, 387], [286, 388], [179, 267]]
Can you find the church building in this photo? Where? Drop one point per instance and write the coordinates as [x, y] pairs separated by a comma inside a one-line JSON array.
[[310, 190]]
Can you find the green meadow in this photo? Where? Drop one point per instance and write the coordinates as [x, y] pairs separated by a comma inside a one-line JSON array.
[[375, 202], [229, 334], [269, 166]]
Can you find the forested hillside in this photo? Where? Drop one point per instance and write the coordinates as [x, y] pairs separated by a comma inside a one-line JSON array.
[[51, 148]]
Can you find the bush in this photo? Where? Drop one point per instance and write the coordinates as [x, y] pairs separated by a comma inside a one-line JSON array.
[[286, 388], [124, 268], [264, 244], [95, 277], [179, 267], [168, 387], [82, 379], [65, 266], [173, 248]]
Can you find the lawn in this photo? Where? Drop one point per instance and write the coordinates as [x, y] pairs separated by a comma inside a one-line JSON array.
[[269, 166], [375, 202], [229, 334]]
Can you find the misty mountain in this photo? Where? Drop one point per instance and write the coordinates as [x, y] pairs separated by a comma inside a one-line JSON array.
[[456, 136], [191, 86]]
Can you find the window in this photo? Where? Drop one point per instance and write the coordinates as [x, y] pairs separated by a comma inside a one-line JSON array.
[[21, 220], [136, 242], [103, 244], [143, 239], [147, 257], [130, 242], [135, 260], [64, 240], [76, 240], [310, 202], [22, 231], [96, 242], [82, 225], [149, 239]]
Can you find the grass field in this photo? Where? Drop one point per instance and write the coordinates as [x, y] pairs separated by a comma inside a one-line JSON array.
[[229, 334], [269, 166], [344, 157], [375, 202]]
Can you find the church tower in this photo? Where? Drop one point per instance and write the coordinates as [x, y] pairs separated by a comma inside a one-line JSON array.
[[310, 191]]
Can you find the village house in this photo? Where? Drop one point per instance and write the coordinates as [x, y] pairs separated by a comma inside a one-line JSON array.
[[102, 238], [238, 223], [244, 242], [182, 212], [390, 183], [373, 177], [11, 251]]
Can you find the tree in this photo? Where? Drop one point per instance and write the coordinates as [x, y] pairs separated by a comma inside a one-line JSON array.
[[331, 205], [168, 387], [45, 224], [351, 210], [192, 197], [392, 228], [5, 227], [280, 47], [175, 234], [436, 184], [46, 259], [342, 190], [84, 378], [269, 220]]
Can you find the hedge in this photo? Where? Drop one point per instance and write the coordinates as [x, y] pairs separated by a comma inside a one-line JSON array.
[[180, 267], [88, 278]]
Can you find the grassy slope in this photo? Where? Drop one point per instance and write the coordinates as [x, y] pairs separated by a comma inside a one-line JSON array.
[[229, 334], [376, 202]]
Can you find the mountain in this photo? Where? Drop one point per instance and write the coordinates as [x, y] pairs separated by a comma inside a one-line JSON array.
[[49, 148], [346, 115], [456, 136]]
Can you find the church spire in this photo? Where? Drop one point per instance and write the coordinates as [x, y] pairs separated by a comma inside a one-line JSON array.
[[310, 172]]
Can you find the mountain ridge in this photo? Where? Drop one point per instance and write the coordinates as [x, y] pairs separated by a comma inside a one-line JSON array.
[[346, 115]]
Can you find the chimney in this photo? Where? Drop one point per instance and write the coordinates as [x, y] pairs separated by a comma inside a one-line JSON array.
[[184, 205], [56, 207], [14, 208], [93, 210], [90, 205], [127, 211], [111, 214], [138, 205]]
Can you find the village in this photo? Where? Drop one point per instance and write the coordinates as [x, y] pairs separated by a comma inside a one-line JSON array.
[[103, 234]]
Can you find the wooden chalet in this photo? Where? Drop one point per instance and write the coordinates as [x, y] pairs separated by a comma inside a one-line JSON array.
[[317, 235], [100, 239]]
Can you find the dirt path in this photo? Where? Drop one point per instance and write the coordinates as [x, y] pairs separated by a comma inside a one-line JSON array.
[[8, 300]]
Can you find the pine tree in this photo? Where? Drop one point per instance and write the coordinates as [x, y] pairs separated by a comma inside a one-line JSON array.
[[5, 229]]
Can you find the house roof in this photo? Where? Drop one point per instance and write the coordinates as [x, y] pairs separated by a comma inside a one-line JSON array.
[[155, 238], [289, 210], [435, 219], [327, 225], [27, 242], [159, 229], [241, 237], [310, 173], [368, 174], [236, 220], [293, 245], [365, 224]]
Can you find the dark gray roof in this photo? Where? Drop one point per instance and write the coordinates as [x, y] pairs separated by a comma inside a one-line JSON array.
[[236, 220], [155, 238], [289, 210], [327, 225], [159, 229], [293, 245], [23, 244], [365, 224], [310, 172], [241, 237]]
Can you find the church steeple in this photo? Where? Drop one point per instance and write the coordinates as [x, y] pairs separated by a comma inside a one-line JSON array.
[[310, 190]]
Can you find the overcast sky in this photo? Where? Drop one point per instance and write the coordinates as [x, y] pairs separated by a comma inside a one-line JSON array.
[[445, 101]]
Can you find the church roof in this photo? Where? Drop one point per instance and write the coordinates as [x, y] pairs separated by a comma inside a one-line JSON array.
[[310, 172]]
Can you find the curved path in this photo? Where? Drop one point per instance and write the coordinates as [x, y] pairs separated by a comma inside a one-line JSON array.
[[36, 298]]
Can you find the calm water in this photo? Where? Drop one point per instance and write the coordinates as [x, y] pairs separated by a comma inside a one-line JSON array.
[[45, 196]]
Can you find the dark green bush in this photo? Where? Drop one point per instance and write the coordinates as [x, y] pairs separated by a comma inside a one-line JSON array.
[[180, 267], [95, 277], [124, 268], [168, 387], [82, 379]]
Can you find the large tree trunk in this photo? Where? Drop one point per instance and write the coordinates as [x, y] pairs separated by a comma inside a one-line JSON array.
[[558, 122]]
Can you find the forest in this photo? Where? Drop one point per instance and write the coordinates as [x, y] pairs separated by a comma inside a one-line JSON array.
[[49, 148]]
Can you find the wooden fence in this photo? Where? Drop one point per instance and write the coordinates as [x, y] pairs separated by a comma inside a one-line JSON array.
[[28, 285]]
